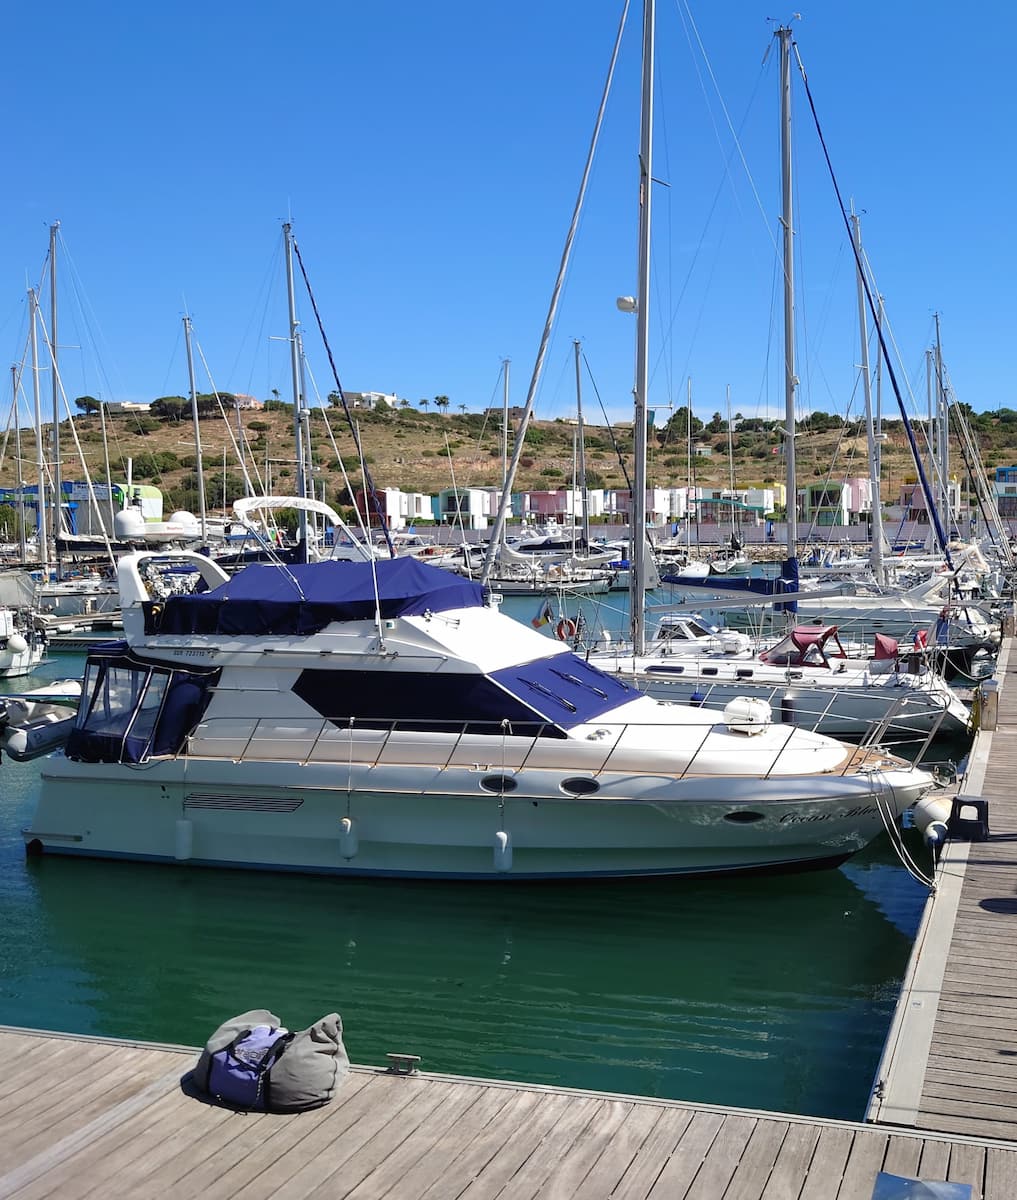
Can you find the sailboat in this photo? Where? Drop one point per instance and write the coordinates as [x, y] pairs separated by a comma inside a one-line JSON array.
[[384, 718]]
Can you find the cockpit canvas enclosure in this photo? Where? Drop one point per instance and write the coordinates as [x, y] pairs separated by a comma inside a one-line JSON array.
[[132, 709]]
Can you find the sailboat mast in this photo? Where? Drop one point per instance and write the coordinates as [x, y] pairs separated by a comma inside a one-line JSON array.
[[931, 434], [504, 422], [943, 430], [22, 548], [40, 454], [298, 436], [876, 553], [199, 471], [879, 386], [637, 567], [730, 466], [787, 220], [58, 485], [584, 495], [106, 466]]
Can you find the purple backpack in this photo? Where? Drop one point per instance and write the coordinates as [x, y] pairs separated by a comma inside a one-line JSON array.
[[240, 1073], [251, 1062]]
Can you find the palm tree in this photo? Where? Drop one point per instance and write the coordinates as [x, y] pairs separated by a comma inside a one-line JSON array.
[[424, 403], [442, 402], [462, 409]]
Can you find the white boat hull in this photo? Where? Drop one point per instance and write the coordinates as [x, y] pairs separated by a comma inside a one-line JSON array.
[[17, 663], [441, 823]]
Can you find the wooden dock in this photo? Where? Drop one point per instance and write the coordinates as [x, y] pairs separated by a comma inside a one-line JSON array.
[[103, 1118], [950, 1062]]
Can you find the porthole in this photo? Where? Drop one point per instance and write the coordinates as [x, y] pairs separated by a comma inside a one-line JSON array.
[[709, 670], [743, 816], [744, 673], [499, 784], [579, 786]]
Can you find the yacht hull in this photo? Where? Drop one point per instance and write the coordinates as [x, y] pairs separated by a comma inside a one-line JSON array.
[[422, 822]]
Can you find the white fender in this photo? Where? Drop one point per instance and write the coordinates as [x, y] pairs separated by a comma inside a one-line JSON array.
[[502, 851], [349, 843], [183, 844]]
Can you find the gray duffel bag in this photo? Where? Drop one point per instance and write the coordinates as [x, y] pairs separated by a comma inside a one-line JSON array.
[[252, 1062], [313, 1066]]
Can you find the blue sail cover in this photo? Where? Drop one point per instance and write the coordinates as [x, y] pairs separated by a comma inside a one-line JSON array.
[[786, 584], [303, 598]]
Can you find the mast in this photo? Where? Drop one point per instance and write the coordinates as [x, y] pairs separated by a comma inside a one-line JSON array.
[[20, 477], [879, 386], [691, 499], [730, 466], [690, 465], [504, 423], [876, 553], [304, 430], [40, 453], [584, 496], [930, 431], [199, 470], [943, 430], [58, 485], [637, 567], [105, 463], [787, 220], [298, 436]]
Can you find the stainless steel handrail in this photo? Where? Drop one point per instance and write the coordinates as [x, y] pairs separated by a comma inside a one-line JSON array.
[[268, 727]]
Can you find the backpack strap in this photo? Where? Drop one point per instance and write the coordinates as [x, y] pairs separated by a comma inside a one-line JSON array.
[[275, 1052]]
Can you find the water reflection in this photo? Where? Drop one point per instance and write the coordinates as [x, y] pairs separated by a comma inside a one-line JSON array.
[[768, 992]]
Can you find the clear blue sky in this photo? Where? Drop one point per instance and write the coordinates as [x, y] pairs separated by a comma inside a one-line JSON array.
[[429, 157]]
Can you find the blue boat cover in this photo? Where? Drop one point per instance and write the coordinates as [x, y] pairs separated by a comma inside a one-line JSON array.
[[786, 584], [303, 598], [543, 698]]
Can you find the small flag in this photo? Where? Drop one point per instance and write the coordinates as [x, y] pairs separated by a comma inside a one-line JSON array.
[[544, 617]]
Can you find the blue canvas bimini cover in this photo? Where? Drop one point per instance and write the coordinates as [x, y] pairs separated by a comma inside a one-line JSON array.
[[302, 599]]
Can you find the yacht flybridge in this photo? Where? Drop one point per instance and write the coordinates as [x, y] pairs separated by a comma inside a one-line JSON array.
[[385, 718]]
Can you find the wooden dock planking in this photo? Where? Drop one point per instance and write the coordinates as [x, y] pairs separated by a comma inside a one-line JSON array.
[[427, 1137], [951, 1060]]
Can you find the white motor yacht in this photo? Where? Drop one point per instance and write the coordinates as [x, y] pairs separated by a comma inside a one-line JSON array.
[[385, 718]]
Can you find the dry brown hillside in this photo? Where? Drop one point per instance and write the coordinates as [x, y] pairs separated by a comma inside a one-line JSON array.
[[424, 451]]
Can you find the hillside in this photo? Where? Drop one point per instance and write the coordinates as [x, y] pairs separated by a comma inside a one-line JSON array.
[[425, 452]]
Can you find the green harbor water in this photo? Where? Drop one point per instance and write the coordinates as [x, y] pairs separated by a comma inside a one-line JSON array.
[[772, 992]]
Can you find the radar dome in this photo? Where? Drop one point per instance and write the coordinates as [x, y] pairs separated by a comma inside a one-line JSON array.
[[129, 523]]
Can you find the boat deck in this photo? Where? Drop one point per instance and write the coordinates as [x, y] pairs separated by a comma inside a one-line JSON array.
[[951, 1059], [92, 1117]]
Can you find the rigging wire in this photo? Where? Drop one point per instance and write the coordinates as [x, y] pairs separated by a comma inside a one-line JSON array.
[[927, 490], [364, 531], [371, 495], [93, 499], [610, 427], [499, 522]]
